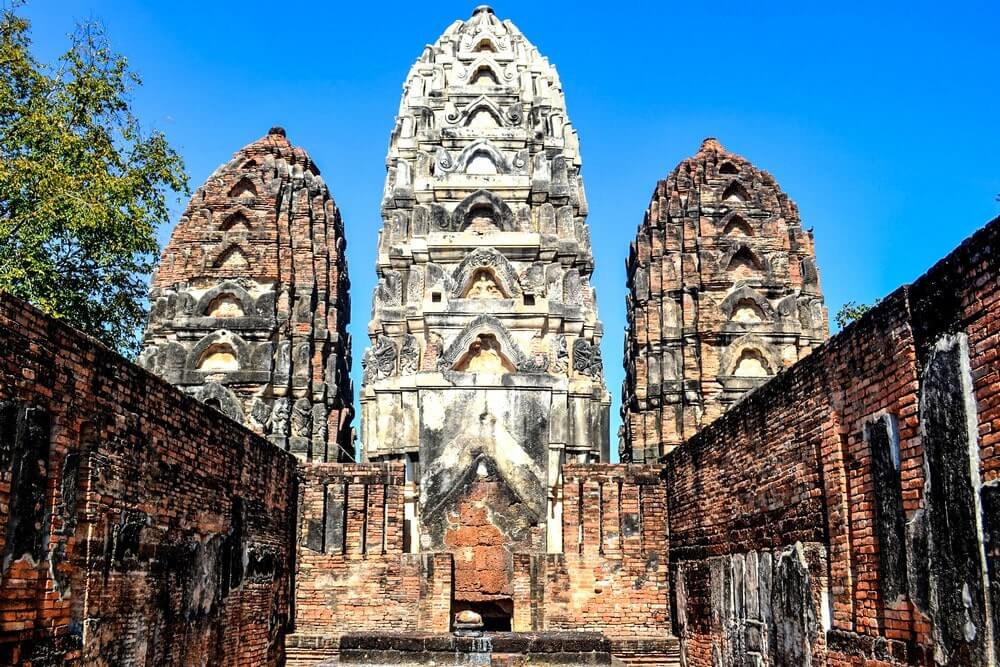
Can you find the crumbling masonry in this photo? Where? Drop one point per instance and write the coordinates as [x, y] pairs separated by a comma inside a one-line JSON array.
[[790, 501], [723, 294], [249, 305], [484, 373]]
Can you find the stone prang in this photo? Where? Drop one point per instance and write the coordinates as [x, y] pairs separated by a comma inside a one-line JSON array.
[[484, 361], [723, 294], [249, 306], [784, 499]]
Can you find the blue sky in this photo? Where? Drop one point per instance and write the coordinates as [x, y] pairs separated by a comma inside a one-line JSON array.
[[880, 119]]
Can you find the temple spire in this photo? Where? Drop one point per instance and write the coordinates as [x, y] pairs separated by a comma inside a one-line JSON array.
[[249, 302], [724, 293]]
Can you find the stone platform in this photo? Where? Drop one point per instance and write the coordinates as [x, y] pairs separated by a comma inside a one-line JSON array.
[[492, 649]]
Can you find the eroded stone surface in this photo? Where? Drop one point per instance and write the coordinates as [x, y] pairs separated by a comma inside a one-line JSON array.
[[249, 303], [723, 294], [484, 370]]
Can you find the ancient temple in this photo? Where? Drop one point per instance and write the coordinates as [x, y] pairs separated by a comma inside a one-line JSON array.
[[249, 305], [484, 373], [723, 293], [843, 511]]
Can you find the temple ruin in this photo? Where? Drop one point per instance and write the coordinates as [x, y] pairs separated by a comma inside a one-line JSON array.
[[785, 499], [723, 293], [484, 373], [249, 304]]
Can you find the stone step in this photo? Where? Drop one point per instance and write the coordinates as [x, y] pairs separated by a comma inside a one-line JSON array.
[[650, 652]]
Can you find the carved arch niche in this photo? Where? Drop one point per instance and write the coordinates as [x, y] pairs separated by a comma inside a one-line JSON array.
[[232, 257], [483, 117], [483, 211], [752, 363], [747, 306], [244, 190], [237, 221], [750, 357], [485, 44], [483, 73], [219, 357], [736, 193], [481, 157], [485, 346], [741, 262], [484, 285], [226, 300], [484, 355], [735, 225], [485, 273], [222, 399], [219, 352]]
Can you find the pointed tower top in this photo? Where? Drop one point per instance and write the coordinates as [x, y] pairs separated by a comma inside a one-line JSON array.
[[711, 144]]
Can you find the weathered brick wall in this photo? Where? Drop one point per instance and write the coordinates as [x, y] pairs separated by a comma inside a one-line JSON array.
[[352, 573], [855, 493], [139, 526], [612, 574]]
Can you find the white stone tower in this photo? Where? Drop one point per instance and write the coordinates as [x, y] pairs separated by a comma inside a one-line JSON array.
[[484, 366]]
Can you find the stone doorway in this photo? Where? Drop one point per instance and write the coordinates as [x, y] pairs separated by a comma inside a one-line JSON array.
[[496, 614]]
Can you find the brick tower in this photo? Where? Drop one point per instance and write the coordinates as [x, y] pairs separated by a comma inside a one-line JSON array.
[[484, 373], [723, 293], [249, 305]]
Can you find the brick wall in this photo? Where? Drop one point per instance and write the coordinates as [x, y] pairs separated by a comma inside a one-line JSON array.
[[612, 574], [856, 493], [352, 573], [140, 526]]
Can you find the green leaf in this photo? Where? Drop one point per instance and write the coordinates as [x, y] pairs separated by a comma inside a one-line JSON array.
[[83, 188]]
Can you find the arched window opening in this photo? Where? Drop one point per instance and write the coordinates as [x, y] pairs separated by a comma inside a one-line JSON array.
[[485, 356], [751, 363], [747, 311], [244, 190], [234, 259], [484, 76], [236, 222], [225, 305], [481, 163], [744, 264], [219, 357], [485, 45], [484, 285], [737, 226], [483, 119], [214, 403], [481, 218], [736, 193], [728, 168]]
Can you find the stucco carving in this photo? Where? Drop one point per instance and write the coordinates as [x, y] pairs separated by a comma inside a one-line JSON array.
[[749, 268], [469, 272], [223, 296]]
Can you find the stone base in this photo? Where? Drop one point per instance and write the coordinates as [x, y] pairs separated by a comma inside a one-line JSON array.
[[543, 649], [647, 652], [309, 650], [305, 650]]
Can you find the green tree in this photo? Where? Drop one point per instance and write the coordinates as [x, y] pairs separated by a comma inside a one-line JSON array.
[[82, 187], [851, 311]]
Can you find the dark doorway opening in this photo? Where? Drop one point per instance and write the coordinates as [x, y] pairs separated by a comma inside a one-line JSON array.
[[496, 614]]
